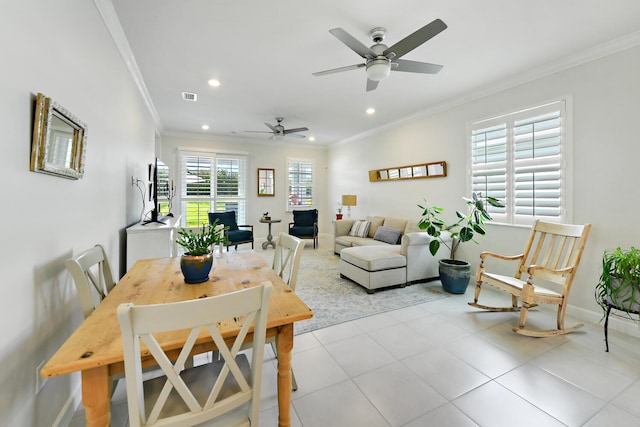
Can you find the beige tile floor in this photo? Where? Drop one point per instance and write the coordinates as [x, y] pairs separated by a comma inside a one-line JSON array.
[[446, 364]]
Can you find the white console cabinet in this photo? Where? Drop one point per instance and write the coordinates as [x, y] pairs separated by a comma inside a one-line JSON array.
[[152, 240]]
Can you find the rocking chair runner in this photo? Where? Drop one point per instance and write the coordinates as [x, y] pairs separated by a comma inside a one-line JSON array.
[[552, 254]]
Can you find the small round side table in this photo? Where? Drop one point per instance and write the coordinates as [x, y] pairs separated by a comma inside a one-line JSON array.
[[269, 241]]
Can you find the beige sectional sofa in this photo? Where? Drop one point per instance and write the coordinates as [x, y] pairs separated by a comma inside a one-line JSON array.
[[342, 227], [376, 264]]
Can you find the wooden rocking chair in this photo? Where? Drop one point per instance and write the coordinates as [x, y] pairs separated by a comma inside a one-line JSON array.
[[552, 254]]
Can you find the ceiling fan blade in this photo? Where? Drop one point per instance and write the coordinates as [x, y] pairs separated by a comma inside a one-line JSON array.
[[371, 85], [286, 131], [352, 43], [257, 131], [270, 126], [295, 135], [415, 67], [338, 70], [416, 38]]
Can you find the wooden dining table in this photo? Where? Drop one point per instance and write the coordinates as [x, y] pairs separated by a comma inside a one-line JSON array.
[[95, 348]]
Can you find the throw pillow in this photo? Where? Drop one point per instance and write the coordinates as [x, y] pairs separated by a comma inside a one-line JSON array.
[[388, 235], [360, 228], [376, 221]]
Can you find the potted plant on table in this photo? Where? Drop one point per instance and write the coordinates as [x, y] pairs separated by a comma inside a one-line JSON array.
[[619, 284], [455, 274], [197, 260], [339, 214]]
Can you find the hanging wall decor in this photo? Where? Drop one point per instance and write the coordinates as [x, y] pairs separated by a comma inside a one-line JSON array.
[[422, 170], [59, 140]]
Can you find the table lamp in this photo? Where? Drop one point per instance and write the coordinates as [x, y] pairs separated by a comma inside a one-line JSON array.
[[349, 200]]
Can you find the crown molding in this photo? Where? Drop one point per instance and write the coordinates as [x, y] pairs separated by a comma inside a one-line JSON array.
[[111, 21], [617, 45]]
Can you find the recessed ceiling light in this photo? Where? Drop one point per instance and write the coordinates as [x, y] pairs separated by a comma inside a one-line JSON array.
[[205, 127], [312, 138], [214, 83], [371, 110]]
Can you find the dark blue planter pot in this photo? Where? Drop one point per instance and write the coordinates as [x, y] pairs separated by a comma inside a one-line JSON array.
[[195, 269], [454, 275]]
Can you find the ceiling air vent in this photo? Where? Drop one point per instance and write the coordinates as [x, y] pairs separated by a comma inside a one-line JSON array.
[[189, 96]]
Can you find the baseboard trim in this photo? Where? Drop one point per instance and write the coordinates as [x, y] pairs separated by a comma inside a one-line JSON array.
[[69, 408]]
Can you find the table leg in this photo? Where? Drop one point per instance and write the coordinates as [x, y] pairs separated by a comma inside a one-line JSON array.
[[96, 397], [284, 346], [269, 241]]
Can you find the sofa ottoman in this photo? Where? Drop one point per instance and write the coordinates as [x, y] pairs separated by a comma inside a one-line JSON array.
[[374, 267]]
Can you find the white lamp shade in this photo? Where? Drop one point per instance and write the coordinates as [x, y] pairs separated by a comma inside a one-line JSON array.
[[378, 70]]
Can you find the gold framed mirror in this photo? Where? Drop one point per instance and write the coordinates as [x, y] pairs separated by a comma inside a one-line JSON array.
[[266, 182], [59, 140]]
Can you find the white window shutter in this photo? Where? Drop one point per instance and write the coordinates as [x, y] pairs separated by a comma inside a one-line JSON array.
[[518, 159], [211, 182]]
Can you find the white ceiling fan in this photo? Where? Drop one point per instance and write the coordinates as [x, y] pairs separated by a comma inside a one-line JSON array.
[[279, 131], [380, 60]]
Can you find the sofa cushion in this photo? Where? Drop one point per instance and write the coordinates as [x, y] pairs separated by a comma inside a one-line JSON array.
[[374, 258], [388, 235], [349, 241], [412, 227], [397, 223], [376, 221], [360, 229]]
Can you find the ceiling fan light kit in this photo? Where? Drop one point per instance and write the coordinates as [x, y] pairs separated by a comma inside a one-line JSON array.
[[380, 60], [378, 69]]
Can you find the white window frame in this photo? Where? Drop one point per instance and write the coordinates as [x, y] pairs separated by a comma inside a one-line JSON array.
[[213, 198], [508, 196], [290, 206]]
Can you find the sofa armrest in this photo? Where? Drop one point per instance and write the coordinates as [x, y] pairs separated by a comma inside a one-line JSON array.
[[342, 227], [421, 265], [421, 238]]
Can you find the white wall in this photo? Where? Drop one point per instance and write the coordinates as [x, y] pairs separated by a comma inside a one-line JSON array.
[[606, 107], [261, 155], [61, 49]]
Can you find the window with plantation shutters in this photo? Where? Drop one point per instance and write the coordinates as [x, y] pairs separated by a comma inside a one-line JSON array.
[[518, 158], [300, 184], [211, 182]]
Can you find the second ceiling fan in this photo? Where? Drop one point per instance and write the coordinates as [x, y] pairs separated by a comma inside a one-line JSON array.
[[279, 131], [380, 60]]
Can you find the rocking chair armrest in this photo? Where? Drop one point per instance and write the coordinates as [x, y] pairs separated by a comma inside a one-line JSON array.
[[544, 272], [485, 254]]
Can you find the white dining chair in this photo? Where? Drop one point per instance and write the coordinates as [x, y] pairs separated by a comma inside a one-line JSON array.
[[225, 392], [92, 276], [286, 261]]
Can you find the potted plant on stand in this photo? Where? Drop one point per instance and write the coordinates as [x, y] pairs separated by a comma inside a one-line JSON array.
[[197, 260], [619, 284], [455, 274]]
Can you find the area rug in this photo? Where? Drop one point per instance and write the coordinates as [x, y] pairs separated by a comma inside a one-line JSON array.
[[335, 300]]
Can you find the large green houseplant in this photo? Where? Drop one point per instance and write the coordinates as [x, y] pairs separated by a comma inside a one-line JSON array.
[[619, 284], [455, 274], [197, 260]]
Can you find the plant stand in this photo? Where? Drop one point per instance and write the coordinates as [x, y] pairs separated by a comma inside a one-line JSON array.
[[606, 321]]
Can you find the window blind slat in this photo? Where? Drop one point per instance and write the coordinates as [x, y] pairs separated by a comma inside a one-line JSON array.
[[517, 158]]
